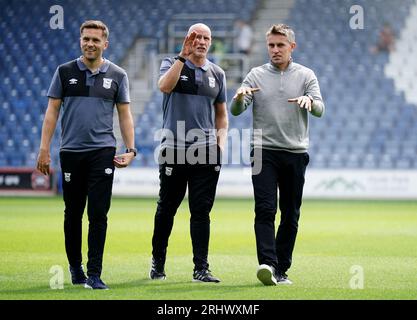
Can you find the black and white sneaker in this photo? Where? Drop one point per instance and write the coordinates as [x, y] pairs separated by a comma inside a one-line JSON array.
[[204, 276], [94, 282], [282, 278], [266, 274], [77, 275], [157, 271]]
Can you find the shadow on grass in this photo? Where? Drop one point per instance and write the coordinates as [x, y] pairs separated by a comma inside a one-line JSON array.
[[180, 286], [41, 290], [172, 289]]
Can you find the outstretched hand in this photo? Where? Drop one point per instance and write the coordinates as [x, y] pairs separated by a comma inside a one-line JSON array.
[[303, 102], [242, 91]]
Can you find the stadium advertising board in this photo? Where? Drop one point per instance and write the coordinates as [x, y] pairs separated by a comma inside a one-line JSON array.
[[320, 184], [25, 181]]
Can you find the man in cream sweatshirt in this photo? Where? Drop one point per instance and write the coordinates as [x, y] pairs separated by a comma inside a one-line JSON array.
[[283, 94]]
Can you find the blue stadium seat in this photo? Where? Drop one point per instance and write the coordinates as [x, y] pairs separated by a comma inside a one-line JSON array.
[[370, 162], [357, 94]]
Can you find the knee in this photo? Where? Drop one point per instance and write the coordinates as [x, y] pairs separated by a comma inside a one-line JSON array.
[[265, 212], [290, 218], [99, 218], [73, 215], [166, 209], [200, 217]]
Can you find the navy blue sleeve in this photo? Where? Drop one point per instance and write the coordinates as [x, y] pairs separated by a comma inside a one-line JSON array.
[[55, 89], [222, 96], [165, 65], [123, 95]]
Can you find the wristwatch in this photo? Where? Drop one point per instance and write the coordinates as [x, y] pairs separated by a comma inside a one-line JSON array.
[[134, 150], [180, 58]]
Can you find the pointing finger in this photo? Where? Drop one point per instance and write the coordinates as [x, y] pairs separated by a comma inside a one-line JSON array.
[[252, 90]]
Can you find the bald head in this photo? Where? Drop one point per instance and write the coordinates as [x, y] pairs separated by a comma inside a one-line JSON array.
[[199, 28], [199, 38]]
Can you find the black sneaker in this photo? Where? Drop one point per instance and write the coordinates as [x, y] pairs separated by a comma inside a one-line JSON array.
[[204, 276], [282, 278], [77, 275], [157, 270], [266, 274], [94, 282]]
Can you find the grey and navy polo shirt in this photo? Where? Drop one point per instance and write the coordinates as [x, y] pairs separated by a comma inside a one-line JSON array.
[[188, 111], [88, 101]]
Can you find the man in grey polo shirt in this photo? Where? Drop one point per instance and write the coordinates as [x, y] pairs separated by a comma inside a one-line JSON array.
[[86, 89], [283, 94], [194, 131]]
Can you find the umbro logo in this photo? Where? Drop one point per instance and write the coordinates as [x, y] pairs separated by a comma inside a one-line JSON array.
[[73, 81], [184, 78]]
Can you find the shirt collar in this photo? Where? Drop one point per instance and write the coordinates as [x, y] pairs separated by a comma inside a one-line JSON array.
[[103, 68], [290, 66], [204, 67]]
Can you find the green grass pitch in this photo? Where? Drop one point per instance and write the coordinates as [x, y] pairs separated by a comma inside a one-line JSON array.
[[340, 245]]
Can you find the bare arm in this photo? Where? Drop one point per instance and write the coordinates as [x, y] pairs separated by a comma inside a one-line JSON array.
[[168, 81], [128, 134], [48, 129], [222, 123]]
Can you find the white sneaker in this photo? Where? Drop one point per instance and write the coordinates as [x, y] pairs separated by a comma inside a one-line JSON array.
[[266, 275]]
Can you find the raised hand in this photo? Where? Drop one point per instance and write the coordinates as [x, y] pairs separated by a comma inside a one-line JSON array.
[[188, 45]]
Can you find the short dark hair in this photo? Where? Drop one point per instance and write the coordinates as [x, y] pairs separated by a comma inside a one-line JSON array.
[[283, 30], [95, 24]]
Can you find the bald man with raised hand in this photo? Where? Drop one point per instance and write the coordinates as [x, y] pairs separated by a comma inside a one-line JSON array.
[[194, 133]]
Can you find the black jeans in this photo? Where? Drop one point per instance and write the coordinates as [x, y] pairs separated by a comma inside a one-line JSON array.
[[201, 180], [87, 175], [285, 171]]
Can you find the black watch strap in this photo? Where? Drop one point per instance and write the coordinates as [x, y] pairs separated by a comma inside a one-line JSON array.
[[134, 150], [180, 58]]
